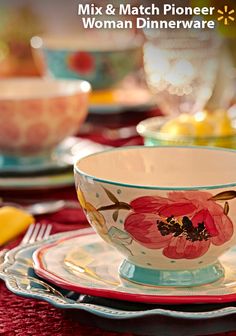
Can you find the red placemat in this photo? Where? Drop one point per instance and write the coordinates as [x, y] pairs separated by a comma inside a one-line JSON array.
[[21, 317]]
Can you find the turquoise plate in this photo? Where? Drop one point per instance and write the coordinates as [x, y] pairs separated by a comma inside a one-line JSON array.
[[19, 276], [49, 176], [62, 158], [55, 181]]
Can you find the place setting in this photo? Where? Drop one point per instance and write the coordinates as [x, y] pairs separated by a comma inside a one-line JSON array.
[[166, 244]]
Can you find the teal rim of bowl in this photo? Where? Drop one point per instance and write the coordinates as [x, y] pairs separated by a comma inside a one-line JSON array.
[[143, 128], [207, 187]]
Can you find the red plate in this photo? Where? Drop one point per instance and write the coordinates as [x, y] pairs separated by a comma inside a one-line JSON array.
[[84, 263]]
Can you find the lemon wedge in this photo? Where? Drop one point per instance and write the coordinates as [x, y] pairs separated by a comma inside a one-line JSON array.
[[201, 124], [181, 125], [13, 222], [204, 124], [224, 123]]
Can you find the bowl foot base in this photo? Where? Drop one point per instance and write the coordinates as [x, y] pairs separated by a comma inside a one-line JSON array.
[[174, 278]]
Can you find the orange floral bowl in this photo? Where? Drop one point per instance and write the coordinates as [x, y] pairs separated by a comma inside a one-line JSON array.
[[36, 115], [171, 211], [102, 61]]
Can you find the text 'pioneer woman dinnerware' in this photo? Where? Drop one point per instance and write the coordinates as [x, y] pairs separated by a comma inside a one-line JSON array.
[[169, 210]]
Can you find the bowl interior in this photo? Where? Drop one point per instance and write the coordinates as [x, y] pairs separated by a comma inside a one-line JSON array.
[[19, 89], [162, 167]]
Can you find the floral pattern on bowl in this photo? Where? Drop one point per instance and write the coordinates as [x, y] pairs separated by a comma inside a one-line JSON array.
[[82, 63], [185, 224], [39, 116], [102, 69]]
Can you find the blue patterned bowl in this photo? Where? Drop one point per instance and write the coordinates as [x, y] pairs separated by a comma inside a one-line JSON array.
[[103, 66]]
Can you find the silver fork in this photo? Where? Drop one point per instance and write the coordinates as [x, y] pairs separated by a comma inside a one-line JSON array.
[[42, 208], [35, 232]]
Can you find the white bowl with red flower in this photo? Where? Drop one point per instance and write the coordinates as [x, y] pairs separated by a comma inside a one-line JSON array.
[[171, 211]]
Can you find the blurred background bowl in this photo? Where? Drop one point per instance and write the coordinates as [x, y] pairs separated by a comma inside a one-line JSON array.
[[37, 114], [103, 62], [150, 130]]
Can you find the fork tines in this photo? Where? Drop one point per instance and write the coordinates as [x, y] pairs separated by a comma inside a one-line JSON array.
[[36, 232]]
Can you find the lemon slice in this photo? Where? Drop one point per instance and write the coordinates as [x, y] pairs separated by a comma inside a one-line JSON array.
[[180, 126], [224, 124], [13, 222], [204, 124]]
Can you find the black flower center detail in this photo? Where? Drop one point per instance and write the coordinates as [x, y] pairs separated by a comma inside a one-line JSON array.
[[186, 229]]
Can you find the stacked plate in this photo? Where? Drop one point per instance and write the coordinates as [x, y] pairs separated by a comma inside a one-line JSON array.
[[78, 271], [54, 173]]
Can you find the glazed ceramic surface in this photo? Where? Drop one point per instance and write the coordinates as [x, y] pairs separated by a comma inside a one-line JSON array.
[[149, 129], [36, 115], [20, 279], [169, 210], [62, 158], [102, 65], [52, 181], [92, 268], [55, 173]]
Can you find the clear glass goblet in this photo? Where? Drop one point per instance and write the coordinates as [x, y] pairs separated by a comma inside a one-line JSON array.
[[181, 69]]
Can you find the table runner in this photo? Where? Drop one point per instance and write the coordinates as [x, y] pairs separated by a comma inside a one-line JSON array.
[[21, 316]]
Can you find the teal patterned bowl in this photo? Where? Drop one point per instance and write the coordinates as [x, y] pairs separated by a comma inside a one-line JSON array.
[[103, 66]]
